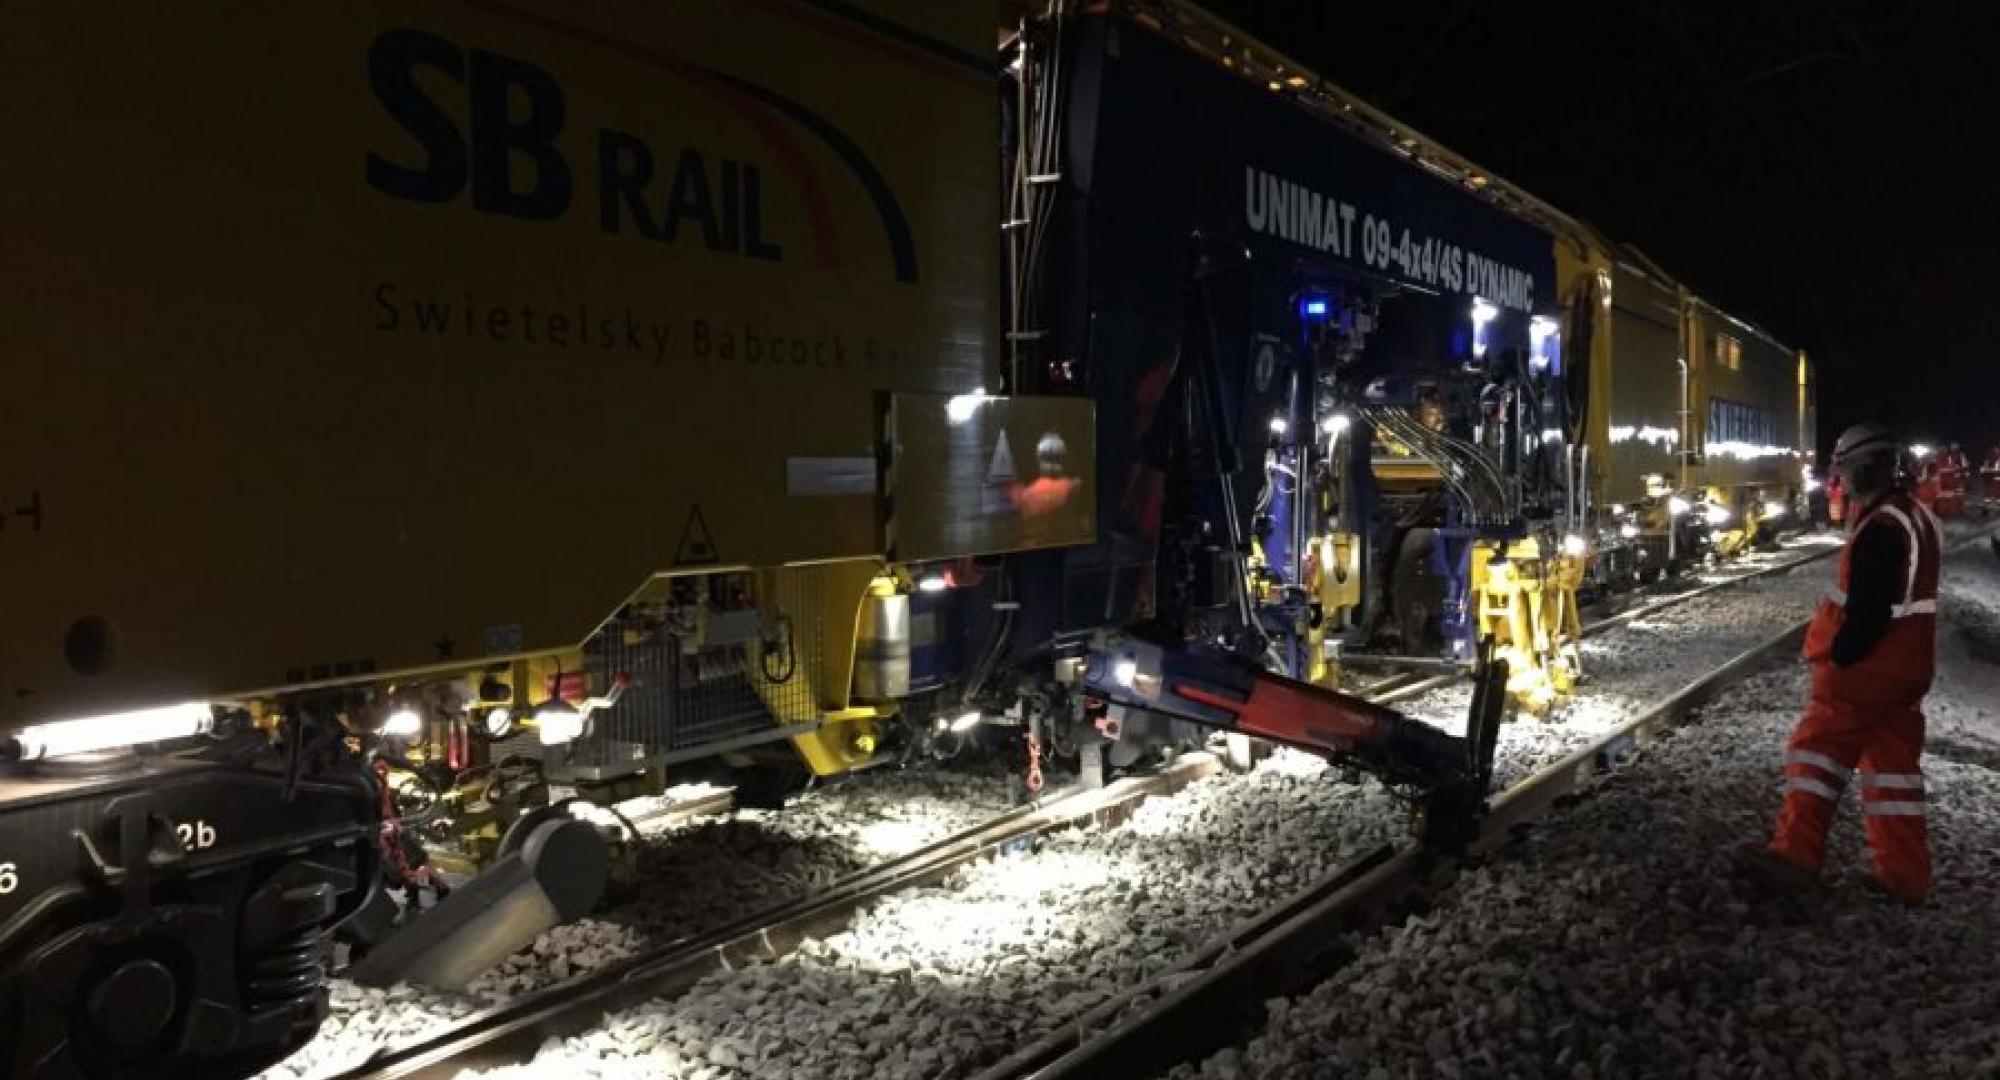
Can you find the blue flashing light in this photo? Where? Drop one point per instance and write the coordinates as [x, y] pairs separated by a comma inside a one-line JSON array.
[[1314, 308]]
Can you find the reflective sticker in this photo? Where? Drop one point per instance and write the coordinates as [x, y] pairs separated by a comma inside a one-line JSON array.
[[1896, 809], [1817, 760], [1802, 783]]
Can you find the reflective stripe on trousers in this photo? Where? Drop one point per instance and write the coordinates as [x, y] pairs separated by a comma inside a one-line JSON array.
[[1893, 794], [1806, 783], [1814, 772], [1896, 611], [1886, 739], [1896, 809]]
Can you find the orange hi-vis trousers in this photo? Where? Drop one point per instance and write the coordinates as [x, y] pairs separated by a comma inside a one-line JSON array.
[[1879, 728]]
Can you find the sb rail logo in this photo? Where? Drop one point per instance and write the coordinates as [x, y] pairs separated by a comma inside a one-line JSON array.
[[515, 111]]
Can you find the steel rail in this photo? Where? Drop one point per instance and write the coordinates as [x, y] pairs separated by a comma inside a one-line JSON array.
[[1209, 999], [1424, 686], [1212, 997], [708, 804], [510, 1033], [1381, 882]]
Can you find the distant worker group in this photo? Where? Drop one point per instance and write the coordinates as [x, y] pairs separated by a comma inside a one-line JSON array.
[[1942, 479]]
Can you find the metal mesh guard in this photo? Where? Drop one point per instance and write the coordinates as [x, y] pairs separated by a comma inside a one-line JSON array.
[[688, 699]]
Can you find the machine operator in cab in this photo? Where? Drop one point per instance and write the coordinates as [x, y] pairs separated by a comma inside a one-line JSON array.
[[1872, 647]]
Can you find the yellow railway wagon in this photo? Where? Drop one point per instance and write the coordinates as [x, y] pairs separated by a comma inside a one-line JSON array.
[[1646, 430], [382, 338], [1747, 413]]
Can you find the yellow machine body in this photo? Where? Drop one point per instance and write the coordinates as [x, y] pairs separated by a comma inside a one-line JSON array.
[[1336, 585], [1750, 416], [392, 339], [1527, 607], [1648, 403], [1689, 400], [1585, 266]]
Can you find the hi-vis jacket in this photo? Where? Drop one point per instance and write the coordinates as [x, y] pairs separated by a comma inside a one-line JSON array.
[[1905, 657]]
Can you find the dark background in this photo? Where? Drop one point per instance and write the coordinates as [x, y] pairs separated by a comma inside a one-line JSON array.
[[1828, 170]]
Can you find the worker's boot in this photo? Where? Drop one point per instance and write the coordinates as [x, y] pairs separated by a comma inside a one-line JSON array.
[[1775, 875], [1874, 887]]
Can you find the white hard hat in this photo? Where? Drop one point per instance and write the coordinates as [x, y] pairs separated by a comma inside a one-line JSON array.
[[1863, 442]]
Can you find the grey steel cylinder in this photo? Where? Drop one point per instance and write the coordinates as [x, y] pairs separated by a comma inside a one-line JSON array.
[[882, 649], [556, 877]]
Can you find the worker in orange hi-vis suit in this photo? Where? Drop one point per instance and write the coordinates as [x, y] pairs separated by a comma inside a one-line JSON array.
[[1989, 479], [1951, 470], [1924, 474], [1872, 646]]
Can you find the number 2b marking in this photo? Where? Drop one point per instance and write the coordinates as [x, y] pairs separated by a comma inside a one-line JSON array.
[[196, 835]]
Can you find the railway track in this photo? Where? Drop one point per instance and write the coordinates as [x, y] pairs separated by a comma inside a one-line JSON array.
[[1199, 1006], [511, 1033], [508, 1033], [1208, 1000], [1407, 685]]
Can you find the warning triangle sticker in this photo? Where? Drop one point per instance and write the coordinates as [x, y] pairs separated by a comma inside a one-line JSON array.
[[696, 547], [1001, 471]]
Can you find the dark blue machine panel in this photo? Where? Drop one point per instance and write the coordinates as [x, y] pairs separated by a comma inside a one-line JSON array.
[[1185, 143], [1173, 169]]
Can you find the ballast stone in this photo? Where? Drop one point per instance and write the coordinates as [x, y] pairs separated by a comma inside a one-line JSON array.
[[707, 872], [1647, 959]]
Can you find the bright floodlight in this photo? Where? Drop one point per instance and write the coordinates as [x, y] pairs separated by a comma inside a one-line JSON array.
[[1335, 424], [1628, 531], [1574, 546], [1920, 450], [965, 721], [1124, 672], [62, 738], [1774, 509], [1540, 329], [558, 722], [403, 723], [1483, 312], [933, 583], [1717, 514], [1677, 506], [1278, 425], [961, 407]]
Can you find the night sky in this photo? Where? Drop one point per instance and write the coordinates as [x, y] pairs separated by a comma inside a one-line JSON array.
[[1829, 170]]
